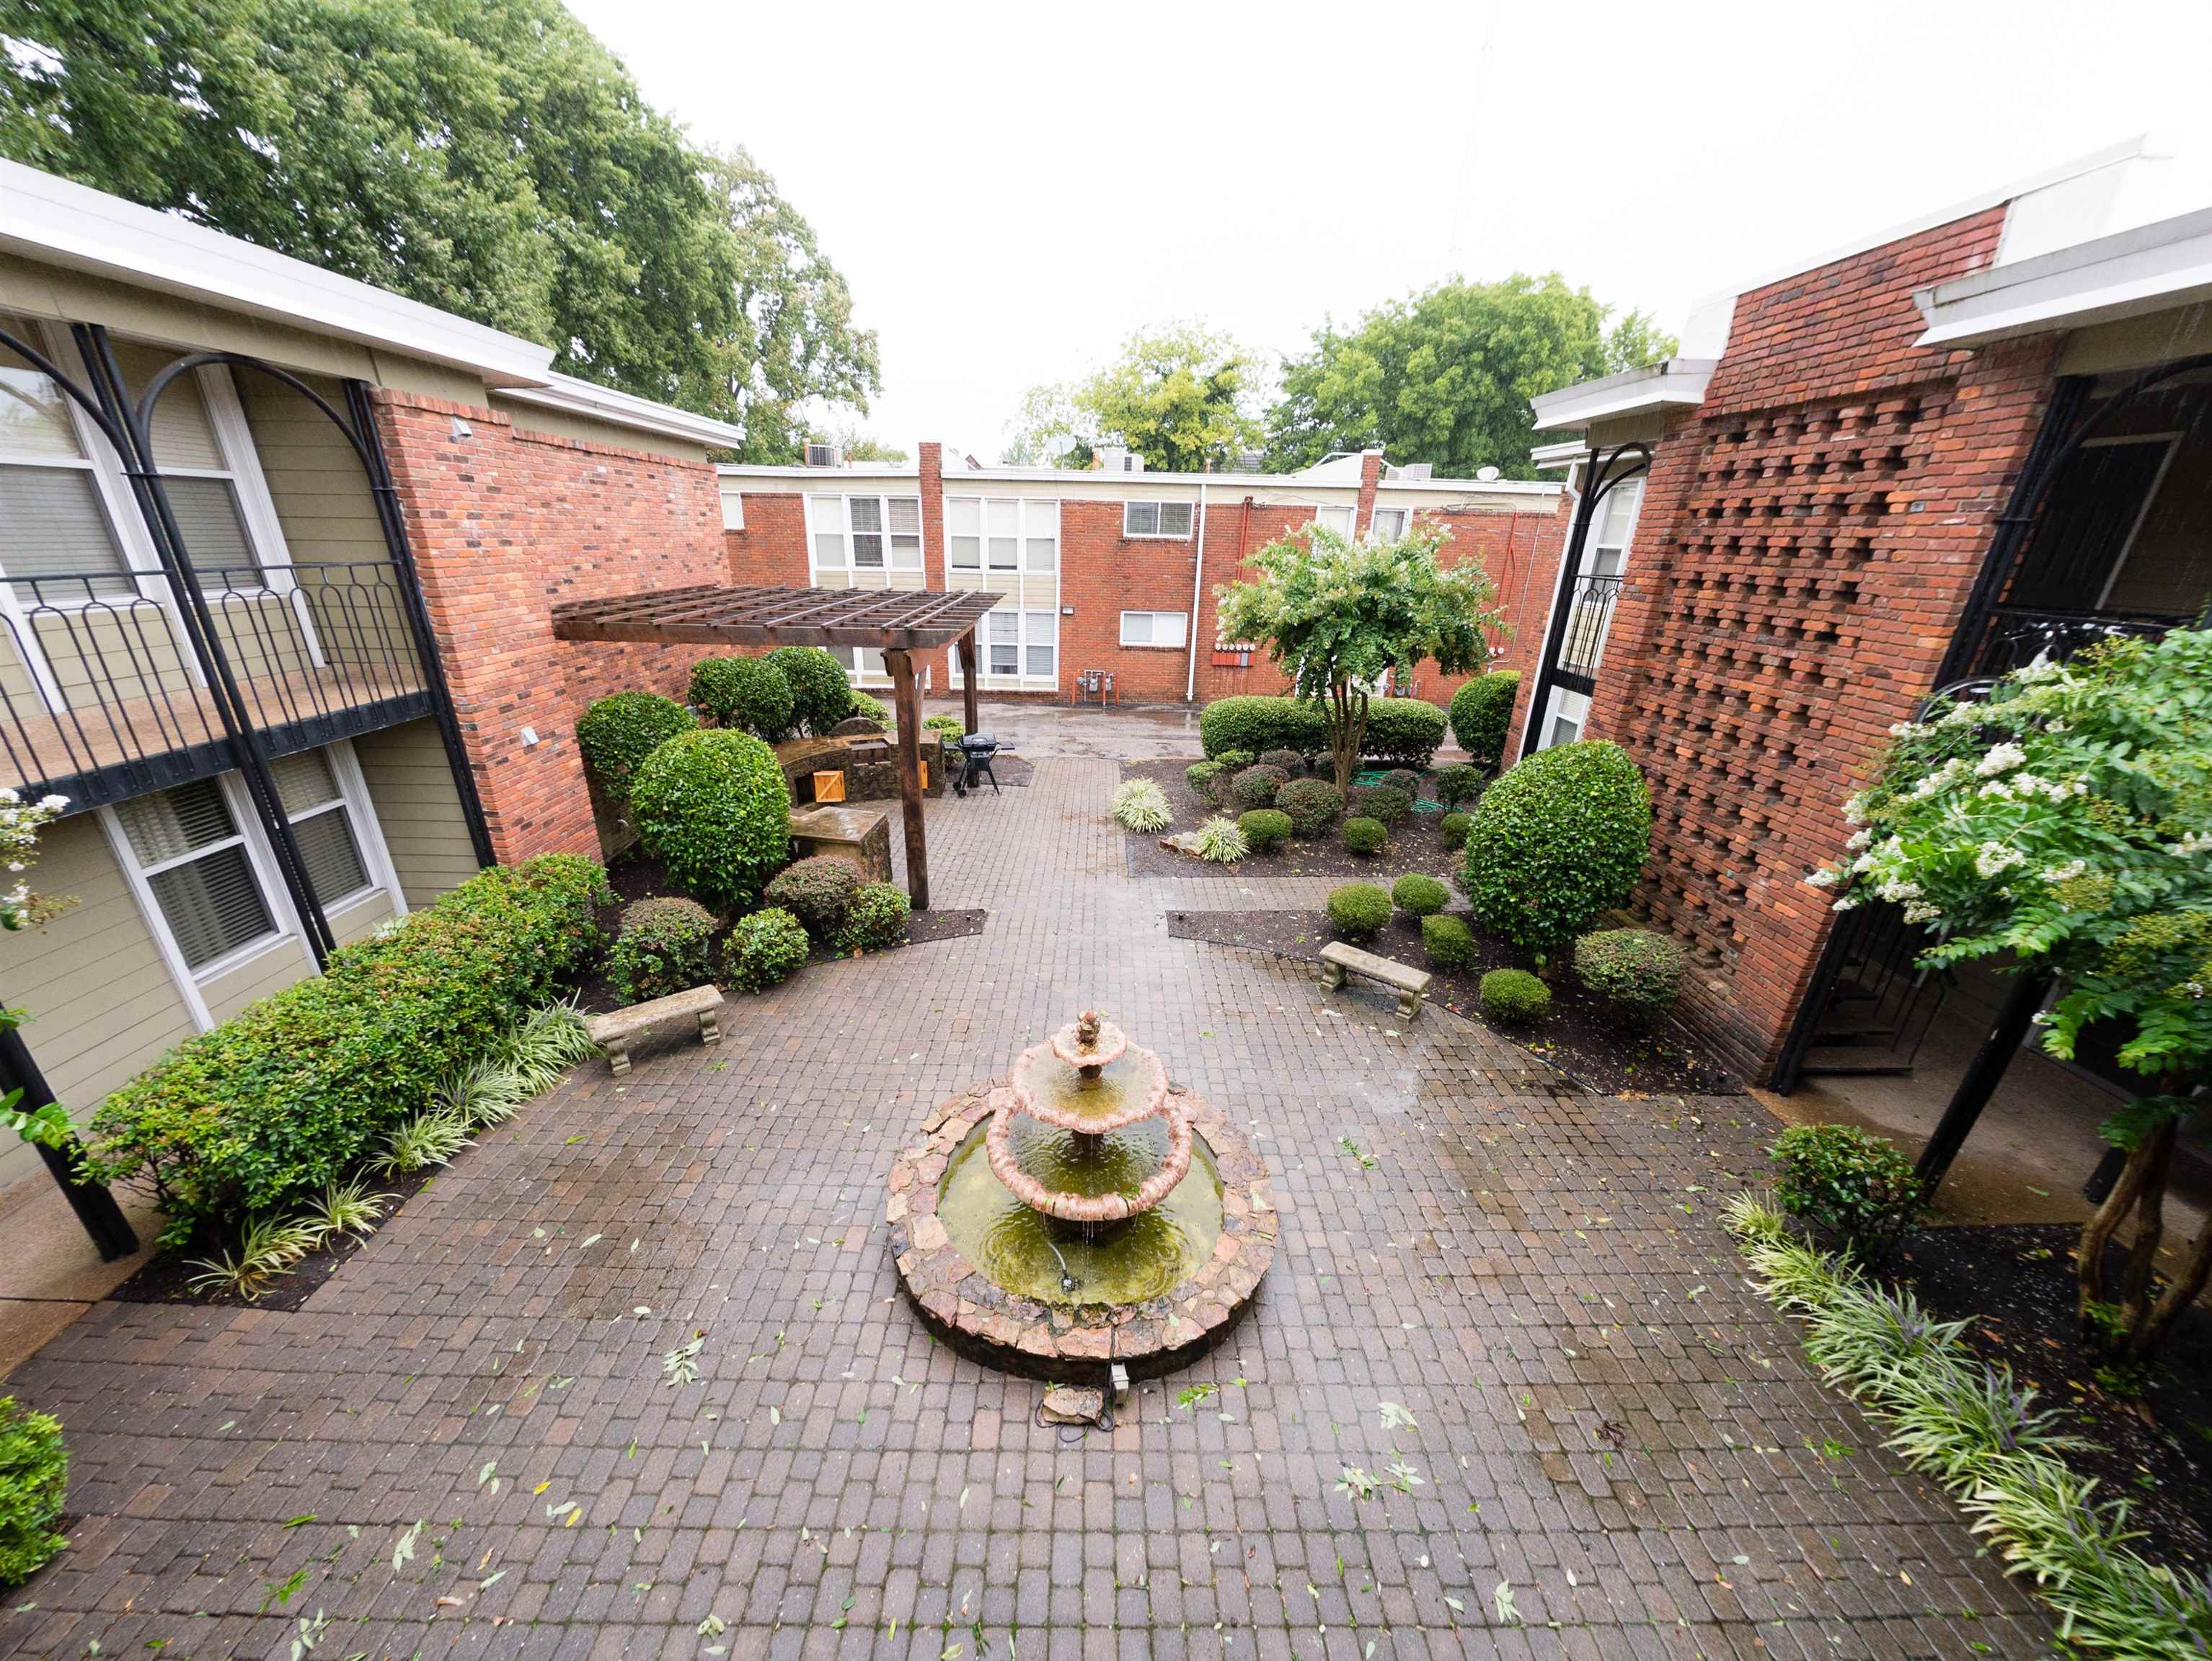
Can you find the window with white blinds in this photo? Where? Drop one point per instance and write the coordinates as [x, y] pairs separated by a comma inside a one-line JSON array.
[[1388, 525], [866, 533], [1002, 533], [192, 857], [316, 809], [56, 543]]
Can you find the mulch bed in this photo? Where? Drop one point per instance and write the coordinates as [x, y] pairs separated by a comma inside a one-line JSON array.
[[2014, 1287], [1581, 1038], [1414, 843]]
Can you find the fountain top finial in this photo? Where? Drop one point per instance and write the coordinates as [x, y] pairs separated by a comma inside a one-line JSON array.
[[1086, 1028]]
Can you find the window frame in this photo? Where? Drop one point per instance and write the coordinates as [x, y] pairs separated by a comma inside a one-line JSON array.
[[1027, 511], [1183, 625], [1375, 524], [732, 495], [1324, 518], [1159, 505], [846, 534]]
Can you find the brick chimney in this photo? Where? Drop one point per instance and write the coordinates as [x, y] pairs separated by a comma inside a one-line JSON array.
[[1371, 475]]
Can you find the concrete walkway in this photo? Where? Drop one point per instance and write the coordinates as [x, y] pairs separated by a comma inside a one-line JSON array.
[[464, 1444]]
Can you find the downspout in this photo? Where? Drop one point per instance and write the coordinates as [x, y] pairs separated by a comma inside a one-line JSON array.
[[1197, 589]]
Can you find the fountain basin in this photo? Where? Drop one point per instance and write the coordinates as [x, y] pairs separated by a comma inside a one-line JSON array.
[[1128, 1085], [1153, 1293], [1096, 1173]]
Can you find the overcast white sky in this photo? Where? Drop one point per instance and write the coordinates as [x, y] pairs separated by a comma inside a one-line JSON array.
[[1012, 189]]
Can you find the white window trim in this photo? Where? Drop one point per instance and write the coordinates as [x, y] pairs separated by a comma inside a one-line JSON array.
[[845, 500], [733, 500], [1182, 619], [1183, 535], [1325, 514], [1374, 527]]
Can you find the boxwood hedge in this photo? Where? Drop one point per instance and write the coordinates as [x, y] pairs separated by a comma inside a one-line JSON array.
[[285, 1097], [1558, 839], [1403, 731], [1480, 711], [34, 1483], [821, 691], [1255, 724], [748, 693], [614, 736], [713, 807]]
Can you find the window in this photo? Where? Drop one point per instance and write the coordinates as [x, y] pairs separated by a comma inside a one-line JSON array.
[[1002, 534], [733, 506], [1002, 545], [316, 809], [1170, 519], [1388, 525], [866, 533], [59, 547], [1569, 712], [1021, 644], [192, 858], [1003, 644], [205, 474], [964, 532], [1039, 644], [1338, 519], [1153, 628]]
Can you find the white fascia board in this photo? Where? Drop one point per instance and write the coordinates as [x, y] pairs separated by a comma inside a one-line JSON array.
[[2152, 268], [58, 222], [1143, 486], [1677, 383], [584, 398], [1468, 486], [794, 477], [1549, 457]]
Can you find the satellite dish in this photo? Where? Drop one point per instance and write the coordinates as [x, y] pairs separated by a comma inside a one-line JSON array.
[[1486, 474]]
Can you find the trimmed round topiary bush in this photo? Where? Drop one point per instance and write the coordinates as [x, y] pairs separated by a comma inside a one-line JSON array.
[[747, 693], [1515, 996], [821, 691], [1839, 1177], [1364, 835], [1204, 777], [1557, 841], [1358, 910], [1289, 760], [1458, 783], [712, 808], [1311, 803], [34, 1483], [1448, 941], [871, 709], [1419, 896], [1256, 786], [1385, 802], [1481, 712], [1452, 829], [816, 891], [1255, 724], [1404, 778], [764, 949], [660, 948], [1265, 828], [876, 919], [1638, 970], [615, 735], [946, 726], [1403, 730], [1235, 760]]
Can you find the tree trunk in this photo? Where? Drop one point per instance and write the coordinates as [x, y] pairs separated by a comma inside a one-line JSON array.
[[2182, 1292], [1349, 706], [2089, 1258], [2150, 1231]]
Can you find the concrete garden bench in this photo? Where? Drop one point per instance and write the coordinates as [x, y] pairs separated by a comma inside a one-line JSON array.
[[1411, 985], [614, 1032]]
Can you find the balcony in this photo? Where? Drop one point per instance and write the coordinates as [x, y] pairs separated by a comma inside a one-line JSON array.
[[2016, 636], [101, 698], [1589, 616]]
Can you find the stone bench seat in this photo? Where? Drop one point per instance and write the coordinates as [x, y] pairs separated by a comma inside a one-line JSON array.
[[1411, 985], [614, 1032]]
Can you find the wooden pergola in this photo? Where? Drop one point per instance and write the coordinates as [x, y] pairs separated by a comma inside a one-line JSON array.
[[896, 622]]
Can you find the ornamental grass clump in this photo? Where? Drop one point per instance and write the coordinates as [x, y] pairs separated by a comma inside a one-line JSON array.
[[1854, 1186], [1220, 841], [615, 735], [1514, 997], [712, 808], [1256, 786], [1557, 841], [1363, 836], [1312, 806], [876, 919], [746, 693], [2064, 823], [1139, 804], [34, 1483], [1418, 894], [1265, 828], [662, 948], [818, 891], [1358, 910], [763, 949], [1637, 971]]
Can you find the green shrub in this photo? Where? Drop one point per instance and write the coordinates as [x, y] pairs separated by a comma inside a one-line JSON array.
[[1558, 839], [1386, 803], [1636, 970], [1358, 910], [1220, 841], [1311, 803], [1364, 835], [1265, 828], [747, 693], [1256, 786], [714, 809], [1203, 777], [821, 691], [1515, 996], [1481, 712], [873, 709], [876, 919], [1448, 941], [768, 947], [1419, 896], [1404, 778], [284, 1098], [662, 948], [1235, 760], [816, 891], [33, 1481], [1289, 760], [1252, 724], [1452, 829], [1139, 804], [1405, 730], [946, 726], [614, 736], [1457, 784], [1839, 1178]]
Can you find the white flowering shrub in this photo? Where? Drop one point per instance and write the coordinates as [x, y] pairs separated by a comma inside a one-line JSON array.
[[2068, 819], [19, 841]]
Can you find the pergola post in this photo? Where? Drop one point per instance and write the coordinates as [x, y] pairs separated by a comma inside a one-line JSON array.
[[907, 696], [968, 716]]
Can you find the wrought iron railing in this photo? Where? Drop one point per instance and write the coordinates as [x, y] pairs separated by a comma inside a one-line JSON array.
[[102, 696], [2016, 636], [1589, 614]]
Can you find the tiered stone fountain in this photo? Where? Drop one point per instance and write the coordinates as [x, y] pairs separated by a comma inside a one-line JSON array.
[[1081, 1212]]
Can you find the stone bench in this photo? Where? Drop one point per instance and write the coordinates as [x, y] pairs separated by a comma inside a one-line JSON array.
[[614, 1032], [861, 837], [1411, 985]]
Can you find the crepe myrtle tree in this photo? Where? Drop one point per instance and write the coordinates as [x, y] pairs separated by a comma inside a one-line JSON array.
[[1336, 615], [2067, 821]]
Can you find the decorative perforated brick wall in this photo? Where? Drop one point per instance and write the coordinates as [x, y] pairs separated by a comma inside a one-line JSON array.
[[1806, 544]]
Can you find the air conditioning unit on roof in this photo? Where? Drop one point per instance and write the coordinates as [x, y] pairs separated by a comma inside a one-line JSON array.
[[825, 455]]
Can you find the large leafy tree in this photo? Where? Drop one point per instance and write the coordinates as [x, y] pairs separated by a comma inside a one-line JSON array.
[[486, 156], [1180, 397], [1337, 615], [1445, 376], [2065, 824]]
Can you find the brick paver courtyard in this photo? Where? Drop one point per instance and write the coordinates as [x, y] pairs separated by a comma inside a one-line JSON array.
[[463, 1443]]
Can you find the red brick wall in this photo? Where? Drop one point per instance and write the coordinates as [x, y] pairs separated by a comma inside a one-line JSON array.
[[503, 524], [1528, 604], [772, 547], [1804, 552]]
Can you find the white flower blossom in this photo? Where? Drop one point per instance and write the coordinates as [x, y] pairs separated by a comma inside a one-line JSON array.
[[1850, 902], [1860, 839], [2002, 758], [1995, 858], [1822, 879], [2193, 842], [1907, 729], [1898, 891], [1919, 911], [2067, 872]]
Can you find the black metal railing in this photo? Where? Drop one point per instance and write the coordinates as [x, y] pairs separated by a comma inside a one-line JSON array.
[[1589, 614], [101, 696], [2014, 636]]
